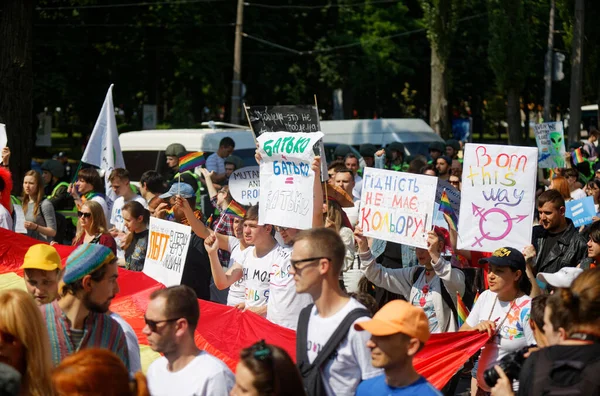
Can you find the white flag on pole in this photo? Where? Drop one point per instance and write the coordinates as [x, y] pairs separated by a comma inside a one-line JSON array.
[[103, 150]]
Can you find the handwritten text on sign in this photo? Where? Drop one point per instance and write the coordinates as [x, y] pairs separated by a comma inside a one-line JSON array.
[[551, 144], [168, 244], [244, 185], [286, 178], [397, 206], [296, 118], [498, 196]]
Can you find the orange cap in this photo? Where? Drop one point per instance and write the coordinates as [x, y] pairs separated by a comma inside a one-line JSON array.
[[395, 317]]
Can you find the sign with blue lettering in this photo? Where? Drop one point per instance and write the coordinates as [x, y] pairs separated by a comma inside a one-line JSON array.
[[244, 185], [581, 211]]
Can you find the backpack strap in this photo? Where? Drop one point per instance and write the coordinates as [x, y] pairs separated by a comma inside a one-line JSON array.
[[301, 335], [446, 297], [340, 333]]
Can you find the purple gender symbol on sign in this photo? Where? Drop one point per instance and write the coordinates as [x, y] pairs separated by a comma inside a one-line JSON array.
[[477, 211]]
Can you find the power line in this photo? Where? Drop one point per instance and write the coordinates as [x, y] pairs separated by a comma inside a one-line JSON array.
[[303, 7], [141, 4], [102, 25], [350, 45]]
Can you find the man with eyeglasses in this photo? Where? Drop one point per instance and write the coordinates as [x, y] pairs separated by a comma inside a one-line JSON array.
[[171, 319], [454, 181], [327, 344]]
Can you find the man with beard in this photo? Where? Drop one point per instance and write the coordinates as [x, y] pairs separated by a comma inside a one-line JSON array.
[[171, 319], [79, 319]]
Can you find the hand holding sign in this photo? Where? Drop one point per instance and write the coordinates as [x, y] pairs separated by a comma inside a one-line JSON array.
[[361, 241]]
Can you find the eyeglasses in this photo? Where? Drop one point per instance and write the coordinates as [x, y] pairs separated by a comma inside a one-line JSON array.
[[280, 229], [85, 215], [295, 263], [152, 324]]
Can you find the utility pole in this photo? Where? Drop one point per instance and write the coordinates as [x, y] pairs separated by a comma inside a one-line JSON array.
[[236, 83], [548, 64], [576, 73]]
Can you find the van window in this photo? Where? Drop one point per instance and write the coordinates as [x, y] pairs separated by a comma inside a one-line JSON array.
[[138, 162]]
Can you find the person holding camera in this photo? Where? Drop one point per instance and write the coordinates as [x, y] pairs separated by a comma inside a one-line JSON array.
[[503, 312]]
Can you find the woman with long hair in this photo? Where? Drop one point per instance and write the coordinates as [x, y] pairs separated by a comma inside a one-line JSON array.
[[592, 189], [136, 219], [266, 370], [97, 372], [561, 185], [336, 219], [40, 218], [90, 187], [24, 343], [502, 311], [91, 226]]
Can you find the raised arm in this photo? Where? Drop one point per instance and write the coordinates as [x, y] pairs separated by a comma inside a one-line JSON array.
[[212, 191], [318, 194], [222, 279]]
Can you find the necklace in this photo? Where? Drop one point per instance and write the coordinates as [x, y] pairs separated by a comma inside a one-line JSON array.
[[499, 325]]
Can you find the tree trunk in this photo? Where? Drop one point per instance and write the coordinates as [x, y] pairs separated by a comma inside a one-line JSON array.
[[16, 83], [513, 117], [438, 113], [576, 73]]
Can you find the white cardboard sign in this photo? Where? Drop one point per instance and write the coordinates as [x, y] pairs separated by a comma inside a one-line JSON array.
[[244, 185], [168, 244]]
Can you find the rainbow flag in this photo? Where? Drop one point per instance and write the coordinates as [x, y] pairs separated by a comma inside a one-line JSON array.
[[191, 161], [475, 299], [577, 156], [235, 209], [461, 309], [448, 212]]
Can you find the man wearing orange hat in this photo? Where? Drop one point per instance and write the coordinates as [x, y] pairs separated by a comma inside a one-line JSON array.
[[42, 268], [398, 331]]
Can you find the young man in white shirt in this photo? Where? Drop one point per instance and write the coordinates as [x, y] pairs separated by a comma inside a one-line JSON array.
[[119, 181], [184, 370], [317, 261]]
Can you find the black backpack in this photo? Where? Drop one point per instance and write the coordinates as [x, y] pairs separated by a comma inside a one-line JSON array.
[[311, 373], [588, 381]]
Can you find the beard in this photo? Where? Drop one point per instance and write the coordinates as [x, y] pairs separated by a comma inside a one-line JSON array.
[[94, 306]]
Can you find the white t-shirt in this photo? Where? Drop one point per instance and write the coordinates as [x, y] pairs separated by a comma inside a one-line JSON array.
[[353, 212], [103, 202], [205, 375], [514, 332], [578, 194], [352, 362], [237, 291], [116, 218], [6, 220], [284, 304], [133, 347], [256, 277], [357, 190]]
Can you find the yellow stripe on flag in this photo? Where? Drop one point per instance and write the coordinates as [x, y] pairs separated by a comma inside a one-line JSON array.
[[10, 280]]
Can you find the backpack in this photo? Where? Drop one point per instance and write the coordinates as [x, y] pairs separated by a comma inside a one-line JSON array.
[[311, 373], [588, 382]]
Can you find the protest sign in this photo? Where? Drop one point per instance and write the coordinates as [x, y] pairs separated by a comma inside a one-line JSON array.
[[244, 185], [168, 244], [396, 206], [3, 138], [452, 193], [19, 219], [581, 211], [550, 140], [296, 118], [498, 197], [286, 178]]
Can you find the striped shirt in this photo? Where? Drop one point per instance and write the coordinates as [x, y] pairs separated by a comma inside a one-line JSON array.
[[99, 331]]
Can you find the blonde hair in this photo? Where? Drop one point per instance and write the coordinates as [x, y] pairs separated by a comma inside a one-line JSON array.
[[39, 195], [21, 317], [98, 221]]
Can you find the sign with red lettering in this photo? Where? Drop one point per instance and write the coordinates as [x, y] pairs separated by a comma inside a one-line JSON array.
[[168, 244], [397, 206], [498, 197]]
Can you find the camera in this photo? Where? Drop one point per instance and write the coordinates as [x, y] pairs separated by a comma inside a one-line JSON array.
[[511, 364]]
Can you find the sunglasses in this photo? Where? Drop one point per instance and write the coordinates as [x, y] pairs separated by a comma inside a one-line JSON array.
[[153, 324], [85, 215], [295, 263]]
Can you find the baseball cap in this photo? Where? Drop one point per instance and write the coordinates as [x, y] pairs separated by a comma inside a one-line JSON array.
[[53, 166], [395, 317], [506, 257], [563, 278], [43, 257], [182, 189], [86, 259]]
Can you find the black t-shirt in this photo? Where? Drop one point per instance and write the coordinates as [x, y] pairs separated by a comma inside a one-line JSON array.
[[196, 273], [549, 242], [565, 377]]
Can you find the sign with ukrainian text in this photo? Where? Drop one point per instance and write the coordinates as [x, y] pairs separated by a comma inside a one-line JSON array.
[[497, 197], [168, 244], [397, 206], [286, 178], [550, 139]]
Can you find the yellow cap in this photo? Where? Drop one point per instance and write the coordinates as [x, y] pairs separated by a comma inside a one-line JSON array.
[[43, 257]]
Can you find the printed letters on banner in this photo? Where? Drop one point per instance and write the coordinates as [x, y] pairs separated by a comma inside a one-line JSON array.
[[498, 197], [168, 244], [244, 185], [286, 178], [396, 206]]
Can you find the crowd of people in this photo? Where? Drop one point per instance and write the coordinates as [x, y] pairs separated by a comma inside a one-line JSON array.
[[539, 306]]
